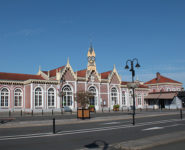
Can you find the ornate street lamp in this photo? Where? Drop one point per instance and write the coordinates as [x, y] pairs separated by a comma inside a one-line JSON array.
[[133, 86]]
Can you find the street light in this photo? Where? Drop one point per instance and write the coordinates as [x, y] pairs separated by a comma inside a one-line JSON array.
[[133, 75]]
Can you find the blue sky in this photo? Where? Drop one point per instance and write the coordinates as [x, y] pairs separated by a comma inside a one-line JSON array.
[[46, 32]]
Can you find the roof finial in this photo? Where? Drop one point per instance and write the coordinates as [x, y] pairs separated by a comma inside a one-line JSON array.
[[39, 67], [91, 47], [68, 60], [114, 68]]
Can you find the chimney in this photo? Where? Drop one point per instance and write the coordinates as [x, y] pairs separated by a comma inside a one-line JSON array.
[[158, 76]]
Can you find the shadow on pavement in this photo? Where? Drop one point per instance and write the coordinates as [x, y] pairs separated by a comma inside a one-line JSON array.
[[98, 144]]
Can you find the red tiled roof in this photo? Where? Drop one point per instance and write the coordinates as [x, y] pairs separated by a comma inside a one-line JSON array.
[[124, 82], [18, 77], [46, 72], [52, 73], [104, 75], [140, 86], [143, 86], [161, 79], [81, 73]]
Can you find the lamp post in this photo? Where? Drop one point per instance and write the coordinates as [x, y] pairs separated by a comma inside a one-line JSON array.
[[133, 75]]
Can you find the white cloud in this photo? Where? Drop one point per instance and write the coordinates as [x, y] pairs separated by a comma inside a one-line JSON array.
[[23, 32]]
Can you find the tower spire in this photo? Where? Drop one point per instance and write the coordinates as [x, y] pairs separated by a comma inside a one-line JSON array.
[[91, 58]]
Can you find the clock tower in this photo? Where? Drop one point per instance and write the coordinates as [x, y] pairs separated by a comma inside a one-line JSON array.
[[91, 59]]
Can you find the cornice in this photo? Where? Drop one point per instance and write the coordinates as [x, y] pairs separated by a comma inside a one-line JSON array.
[[11, 82], [165, 83], [28, 81]]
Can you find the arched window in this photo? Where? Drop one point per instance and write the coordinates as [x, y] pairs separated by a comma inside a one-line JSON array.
[[131, 97], [4, 97], [139, 99], [114, 96], [67, 98], [18, 97], [51, 97], [93, 100], [123, 98], [38, 97]]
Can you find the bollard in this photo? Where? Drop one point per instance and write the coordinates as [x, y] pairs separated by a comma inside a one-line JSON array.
[[42, 112], [9, 113], [109, 109], [102, 109], [53, 125], [71, 111], [140, 109], [21, 113], [181, 114], [52, 112], [32, 112], [61, 111], [122, 109]]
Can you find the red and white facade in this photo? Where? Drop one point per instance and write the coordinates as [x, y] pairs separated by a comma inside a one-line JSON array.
[[41, 92]]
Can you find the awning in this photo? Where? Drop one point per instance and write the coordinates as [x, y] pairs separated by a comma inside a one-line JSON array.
[[167, 96], [161, 96], [152, 96]]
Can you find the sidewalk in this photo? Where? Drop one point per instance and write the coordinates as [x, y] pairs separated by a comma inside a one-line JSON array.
[[61, 121], [139, 144], [153, 141]]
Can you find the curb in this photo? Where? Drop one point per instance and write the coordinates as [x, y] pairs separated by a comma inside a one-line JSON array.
[[74, 121], [143, 143], [150, 142]]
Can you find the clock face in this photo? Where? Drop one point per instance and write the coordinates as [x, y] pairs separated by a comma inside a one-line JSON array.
[[89, 58], [92, 58]]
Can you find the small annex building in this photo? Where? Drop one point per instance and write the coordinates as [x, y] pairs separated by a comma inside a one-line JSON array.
[[164, 93]]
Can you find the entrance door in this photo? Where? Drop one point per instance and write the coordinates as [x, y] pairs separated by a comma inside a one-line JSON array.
[[92, 101], [161, 104]]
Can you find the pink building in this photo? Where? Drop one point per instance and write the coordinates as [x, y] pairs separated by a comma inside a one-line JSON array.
[[163, 93], [41, 92]]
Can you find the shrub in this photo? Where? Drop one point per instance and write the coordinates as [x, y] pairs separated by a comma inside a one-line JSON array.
[[91, 106], [116, 106]]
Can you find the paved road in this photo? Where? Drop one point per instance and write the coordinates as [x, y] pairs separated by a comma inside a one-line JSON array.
[[88, 135], [180, 145]]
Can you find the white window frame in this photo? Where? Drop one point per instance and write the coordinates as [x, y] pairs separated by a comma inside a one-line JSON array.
[[131, 97], [93, 90], [139, 99], [18, 96], [52, 97], [4, 97], [39, 94], [68, 95], [123, 98], [114, 96]]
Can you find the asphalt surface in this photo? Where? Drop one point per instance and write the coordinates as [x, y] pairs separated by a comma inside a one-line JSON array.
[[180, 145], [89, 135]]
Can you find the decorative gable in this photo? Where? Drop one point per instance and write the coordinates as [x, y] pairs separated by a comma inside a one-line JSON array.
[[114, 77], [93, 77], [67, 73]]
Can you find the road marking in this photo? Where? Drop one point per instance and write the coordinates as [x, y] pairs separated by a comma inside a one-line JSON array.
[[80, 131], [153, 128], [159, 128], [111, 123]]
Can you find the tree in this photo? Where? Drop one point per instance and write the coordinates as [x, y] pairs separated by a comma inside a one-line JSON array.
[[82, 97]]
